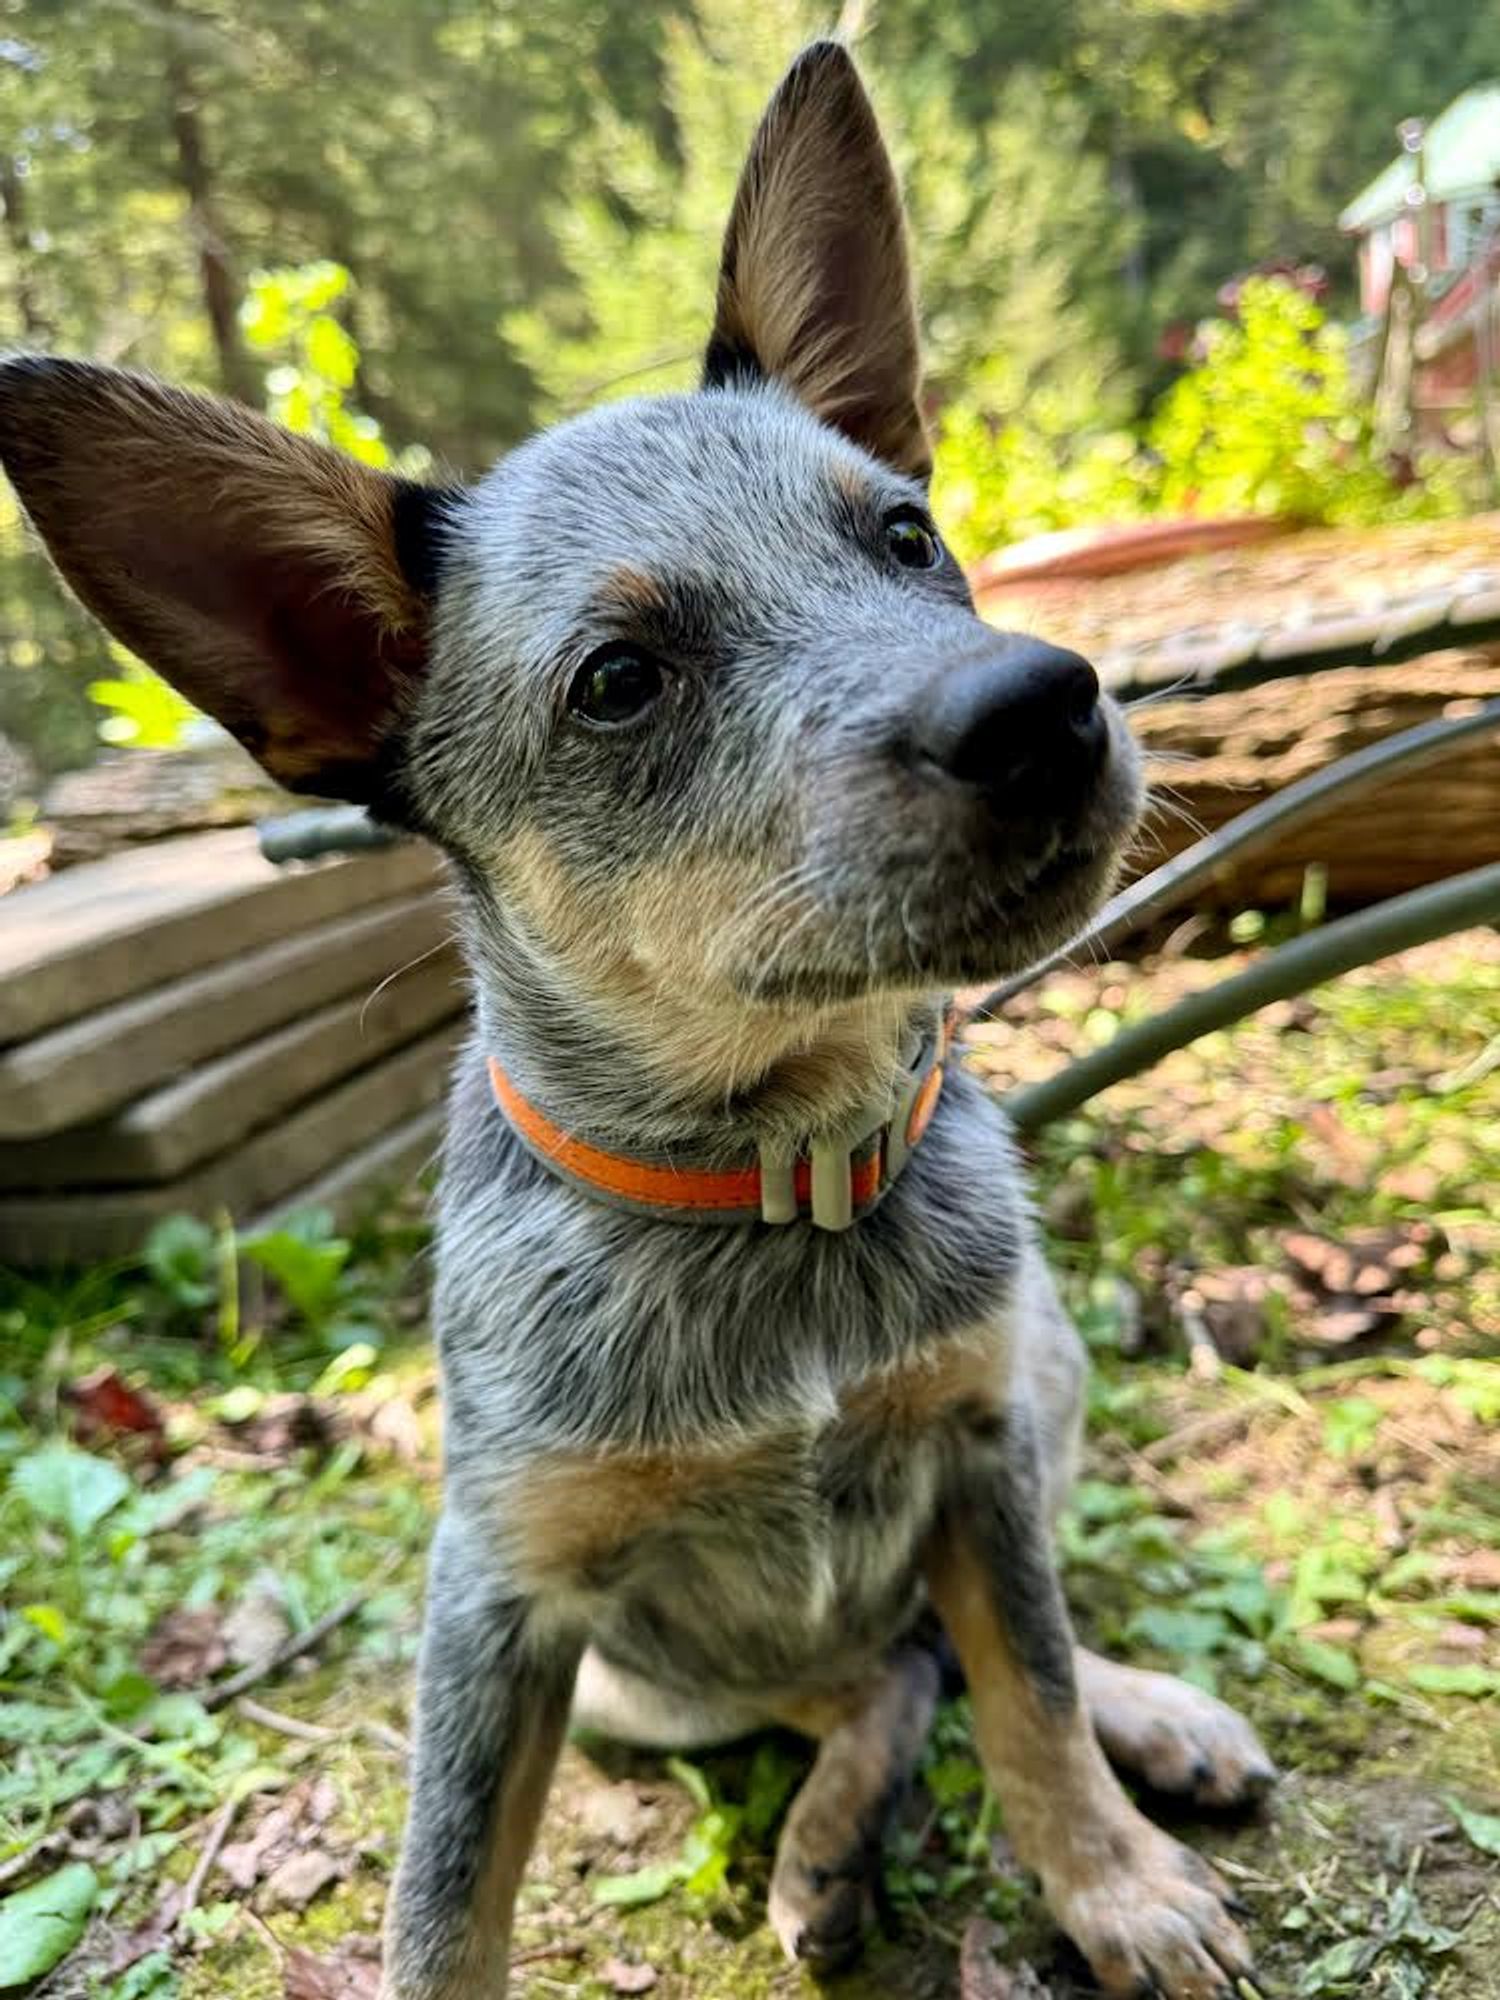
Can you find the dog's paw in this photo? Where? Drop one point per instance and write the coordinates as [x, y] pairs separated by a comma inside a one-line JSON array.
[[1176, 1738], [1155, 1922], [823, 1898]]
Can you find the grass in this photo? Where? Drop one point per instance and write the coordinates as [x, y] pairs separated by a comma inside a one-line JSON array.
[[1292, 1494]]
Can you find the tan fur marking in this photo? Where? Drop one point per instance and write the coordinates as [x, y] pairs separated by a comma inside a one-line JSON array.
[[482, 1971], [631, 592], [626, 949], [1127, 1894], [569, 1511], [966, 1372], [852, 483]]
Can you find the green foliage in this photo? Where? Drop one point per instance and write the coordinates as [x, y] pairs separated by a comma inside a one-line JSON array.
[[477, 217], [40, 1925], [141, 709], [307, 1260], [1481, 1828], [181, 1257], [638, 225], [291, 317], [713, 1842], [1268, 421], [68, 1488]]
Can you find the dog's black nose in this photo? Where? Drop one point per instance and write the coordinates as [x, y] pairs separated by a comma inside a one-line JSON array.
[[1023, 725]]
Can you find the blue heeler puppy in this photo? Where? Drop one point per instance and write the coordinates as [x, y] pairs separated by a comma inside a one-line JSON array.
[[753, 1371]]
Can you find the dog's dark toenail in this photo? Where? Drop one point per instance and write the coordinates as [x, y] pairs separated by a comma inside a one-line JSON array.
[[1203, 1773], [1237, 1906]]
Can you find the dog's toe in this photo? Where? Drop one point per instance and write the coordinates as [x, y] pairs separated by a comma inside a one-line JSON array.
[[1175, 1738]]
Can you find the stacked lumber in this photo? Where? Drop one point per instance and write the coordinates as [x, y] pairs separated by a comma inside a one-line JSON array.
[[185, 1027], [1212, 758], [1247, 668]]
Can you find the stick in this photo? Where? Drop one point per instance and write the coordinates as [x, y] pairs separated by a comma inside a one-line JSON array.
[[286, 1725], [290, 1649], [51, 1847], [537, 1954], [1216, 1428], [218, 1833]]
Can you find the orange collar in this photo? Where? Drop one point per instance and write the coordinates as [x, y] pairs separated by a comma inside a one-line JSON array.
[[831, 1182]]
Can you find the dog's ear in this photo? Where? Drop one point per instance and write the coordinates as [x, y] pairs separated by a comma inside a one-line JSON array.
[[280, 585], [815, 287]]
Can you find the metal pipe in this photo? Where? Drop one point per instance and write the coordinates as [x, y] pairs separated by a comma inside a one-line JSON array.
[[1249, 831], [1436, 910], [305, 836]]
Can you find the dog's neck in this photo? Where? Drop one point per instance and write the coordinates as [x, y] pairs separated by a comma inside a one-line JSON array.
[[645, 1070]]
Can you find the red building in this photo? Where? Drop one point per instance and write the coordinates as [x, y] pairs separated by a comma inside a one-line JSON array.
[[1434, 213]]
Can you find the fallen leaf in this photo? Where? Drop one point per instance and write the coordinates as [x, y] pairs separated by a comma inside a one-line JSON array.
[[301, 1877], [104, 1405], [616, 1815], [981, 1976], [1340, 1324], [352, 1972], [395, 1424], [282, 1427], [289, 1832], [1455, 1637], [147, 1936], [185, 1647], [257, 1624], [621, 1977], [1479, 1569]]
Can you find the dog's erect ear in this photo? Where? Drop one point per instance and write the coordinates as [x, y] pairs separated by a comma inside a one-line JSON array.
[[815, 288], [281, 586]]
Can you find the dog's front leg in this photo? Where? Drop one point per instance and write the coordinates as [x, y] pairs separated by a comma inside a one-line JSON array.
[[1147, 1913], [492, 1707]]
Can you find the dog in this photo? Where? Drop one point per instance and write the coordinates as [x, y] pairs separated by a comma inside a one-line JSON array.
[[752, 1366]]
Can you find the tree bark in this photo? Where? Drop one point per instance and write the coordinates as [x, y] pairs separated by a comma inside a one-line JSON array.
[[221, 288], [33, 321]]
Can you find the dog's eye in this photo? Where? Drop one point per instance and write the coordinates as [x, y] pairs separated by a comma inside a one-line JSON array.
[[912, 539], [615, 685]]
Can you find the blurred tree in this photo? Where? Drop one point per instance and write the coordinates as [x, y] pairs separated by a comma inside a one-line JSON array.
[[529, 203], [639, 223]]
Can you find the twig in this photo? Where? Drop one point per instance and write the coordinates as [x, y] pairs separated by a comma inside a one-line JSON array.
[[294, 1648], [51, 1847], [218, 1833], [388, 1738], [286, 1725], [1205, 1363], [538, 1954], [1218, 1427]]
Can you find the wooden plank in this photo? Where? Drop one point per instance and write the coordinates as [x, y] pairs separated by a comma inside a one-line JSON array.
[[190, 1118], [97, 934], [372, 1176], [41, 1230], [80, 1072]]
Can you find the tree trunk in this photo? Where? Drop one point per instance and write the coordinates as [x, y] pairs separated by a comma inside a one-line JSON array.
[[221, 290], [32, 320]]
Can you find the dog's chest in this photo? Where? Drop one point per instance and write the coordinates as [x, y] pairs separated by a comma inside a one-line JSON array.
[[752, 1563]]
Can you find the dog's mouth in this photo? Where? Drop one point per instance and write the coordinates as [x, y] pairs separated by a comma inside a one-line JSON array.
[[935, 932]]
